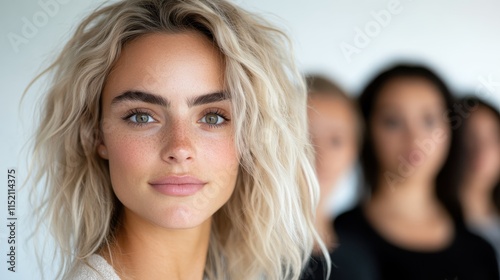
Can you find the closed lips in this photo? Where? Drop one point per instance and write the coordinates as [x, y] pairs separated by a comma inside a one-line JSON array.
[[177, 180], [177, 186]]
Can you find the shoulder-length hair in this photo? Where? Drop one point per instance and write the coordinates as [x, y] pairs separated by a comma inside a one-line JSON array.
[[266, 228], [446, 181]]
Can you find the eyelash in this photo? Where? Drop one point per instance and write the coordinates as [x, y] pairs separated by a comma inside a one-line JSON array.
[[133, 112], [219, 113]]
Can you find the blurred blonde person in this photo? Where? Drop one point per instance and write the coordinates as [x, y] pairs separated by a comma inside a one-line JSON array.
[[335, 131]]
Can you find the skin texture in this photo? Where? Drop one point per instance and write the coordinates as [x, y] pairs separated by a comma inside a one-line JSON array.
[[483, 165], [332, 125], [406, 212], [165, 236]]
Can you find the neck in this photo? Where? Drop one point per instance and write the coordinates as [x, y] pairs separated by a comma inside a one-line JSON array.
[[146, 251], [324, 227], [323, 222], [476, 201], [413, 198]]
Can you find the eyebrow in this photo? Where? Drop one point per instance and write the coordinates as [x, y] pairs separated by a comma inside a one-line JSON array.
[[140, 96], [159, 100], [207, 98]]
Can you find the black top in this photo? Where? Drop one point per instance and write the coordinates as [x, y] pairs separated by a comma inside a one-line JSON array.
[[365, 255], [467, 257]]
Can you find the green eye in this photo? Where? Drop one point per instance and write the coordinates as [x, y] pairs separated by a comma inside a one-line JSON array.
[[212, 118], [141, 118]]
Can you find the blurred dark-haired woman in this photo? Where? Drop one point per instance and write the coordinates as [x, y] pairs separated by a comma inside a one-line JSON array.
[[408, 225], [480, 188]]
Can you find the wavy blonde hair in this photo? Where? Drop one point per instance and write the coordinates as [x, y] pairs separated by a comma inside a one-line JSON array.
[[266, 229]]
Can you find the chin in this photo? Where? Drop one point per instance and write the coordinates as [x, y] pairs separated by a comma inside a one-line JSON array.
[[181, 217]]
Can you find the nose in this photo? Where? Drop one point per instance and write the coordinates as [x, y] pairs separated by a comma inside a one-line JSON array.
[[177, 144], [416, 132], [412, 133]]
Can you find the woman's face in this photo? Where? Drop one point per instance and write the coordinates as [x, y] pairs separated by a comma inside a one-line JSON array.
[[333, 129], [409, 129], [167, 130], [483, 145]]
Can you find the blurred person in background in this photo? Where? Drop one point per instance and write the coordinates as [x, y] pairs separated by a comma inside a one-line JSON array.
[[480, 188], [407, 226], [335, 131], [335, 128]]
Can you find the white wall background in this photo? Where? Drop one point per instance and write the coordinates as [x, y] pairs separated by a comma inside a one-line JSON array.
[[458, 38]]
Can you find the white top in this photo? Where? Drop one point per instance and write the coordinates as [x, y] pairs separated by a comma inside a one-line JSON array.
[[99, 269]]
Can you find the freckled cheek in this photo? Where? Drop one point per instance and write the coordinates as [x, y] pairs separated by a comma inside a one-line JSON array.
[[129, 155], [220, 156]]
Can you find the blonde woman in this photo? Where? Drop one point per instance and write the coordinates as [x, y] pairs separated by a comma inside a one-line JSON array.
[[173, 145]]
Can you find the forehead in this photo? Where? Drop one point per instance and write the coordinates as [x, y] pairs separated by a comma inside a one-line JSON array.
[[410, 92], [328, 106], [484, 117], [182, 62], [327, 112]]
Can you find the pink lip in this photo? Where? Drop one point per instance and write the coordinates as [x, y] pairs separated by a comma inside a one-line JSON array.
[[177, 185]]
